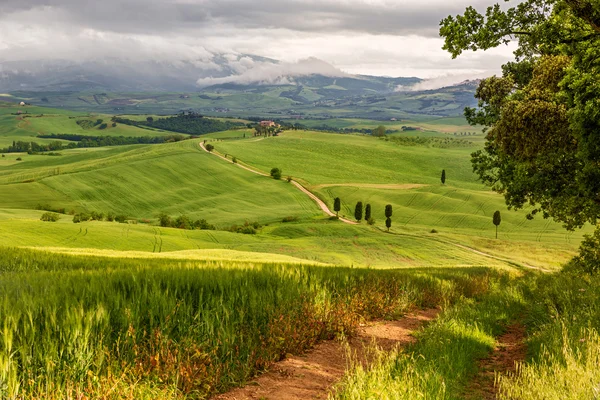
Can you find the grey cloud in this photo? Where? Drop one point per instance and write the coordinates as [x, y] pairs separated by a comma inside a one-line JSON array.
[[152, 16]]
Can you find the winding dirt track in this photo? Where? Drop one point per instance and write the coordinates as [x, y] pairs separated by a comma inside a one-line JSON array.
[[319, 202], [509, 351], [313, 375]]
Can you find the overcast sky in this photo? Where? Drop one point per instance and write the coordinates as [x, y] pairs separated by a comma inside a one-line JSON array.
[[379, 37]]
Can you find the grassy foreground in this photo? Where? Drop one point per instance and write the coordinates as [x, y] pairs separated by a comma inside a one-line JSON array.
[[561, 313], [81, 327]]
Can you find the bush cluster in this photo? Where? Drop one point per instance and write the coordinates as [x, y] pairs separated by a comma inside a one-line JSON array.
[[98, 216], [183, 222], [249, 228], [50, 217]]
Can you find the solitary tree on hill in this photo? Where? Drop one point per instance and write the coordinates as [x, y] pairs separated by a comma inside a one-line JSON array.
[[210, 147], [497, 219], [379, 131], [337, 206], [367, 212], [276, 173], [443, 176], [358, 211]]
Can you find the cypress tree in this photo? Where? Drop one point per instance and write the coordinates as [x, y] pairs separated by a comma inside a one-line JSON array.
[[388, 211], [443, 176], [496, 220], [358, 211], [337, 206], [367, 212]]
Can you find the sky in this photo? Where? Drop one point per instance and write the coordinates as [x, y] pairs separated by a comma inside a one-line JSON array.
[[375, 37]]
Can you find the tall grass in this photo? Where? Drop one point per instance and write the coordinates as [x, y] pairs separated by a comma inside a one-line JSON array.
[[564, 343], [561, 313], [443, 360], [74, 327]]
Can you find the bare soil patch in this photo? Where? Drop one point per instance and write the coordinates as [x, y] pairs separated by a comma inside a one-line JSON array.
[[509, 350], [312, 375]]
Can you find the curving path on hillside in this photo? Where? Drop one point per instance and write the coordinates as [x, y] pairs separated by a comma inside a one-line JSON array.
[[304, 190]]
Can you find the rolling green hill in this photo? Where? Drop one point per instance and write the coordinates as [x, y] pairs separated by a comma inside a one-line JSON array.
[[142, 181], [379, 172]]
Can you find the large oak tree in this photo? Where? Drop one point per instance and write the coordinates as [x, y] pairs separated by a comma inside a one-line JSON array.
[[543, 114]]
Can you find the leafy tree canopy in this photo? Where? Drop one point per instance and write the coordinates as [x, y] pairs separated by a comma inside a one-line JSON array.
[[543, 114]]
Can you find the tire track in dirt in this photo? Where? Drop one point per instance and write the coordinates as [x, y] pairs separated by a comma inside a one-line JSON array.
[[313, 375]]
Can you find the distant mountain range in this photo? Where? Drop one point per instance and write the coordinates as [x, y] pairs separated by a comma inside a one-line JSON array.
[[239, 85], [115, 75]]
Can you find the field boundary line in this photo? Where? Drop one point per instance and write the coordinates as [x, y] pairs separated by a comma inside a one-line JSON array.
[[304, 190]]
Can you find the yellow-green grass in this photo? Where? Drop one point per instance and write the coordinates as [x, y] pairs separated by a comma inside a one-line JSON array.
[[560, 315], [143, 180], [323, 242], [361, 168], [75, 327]]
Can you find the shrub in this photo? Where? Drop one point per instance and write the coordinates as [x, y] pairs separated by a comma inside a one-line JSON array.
[[234, 160], [210, 147], [183, 222], [50, 217], [433, 231], [203, 224], [588, 259], [121, 218], [289, 219], [97, 216], [81, 217], [165, 220], [110, 217], [19, 159], [371, 221], [334, 218], [247, 230], [289, 178], [276, 173]]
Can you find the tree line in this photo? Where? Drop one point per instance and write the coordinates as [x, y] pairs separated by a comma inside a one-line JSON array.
[[82, 141], [190, 122]]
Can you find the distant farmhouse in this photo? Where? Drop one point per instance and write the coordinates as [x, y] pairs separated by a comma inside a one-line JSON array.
[[267, 124]]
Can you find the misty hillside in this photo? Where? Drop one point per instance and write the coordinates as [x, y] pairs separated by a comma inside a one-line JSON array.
[[244, 85]]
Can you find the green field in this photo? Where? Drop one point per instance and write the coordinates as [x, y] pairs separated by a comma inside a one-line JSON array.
[[133, 310], [142, 181], [362, 168]]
